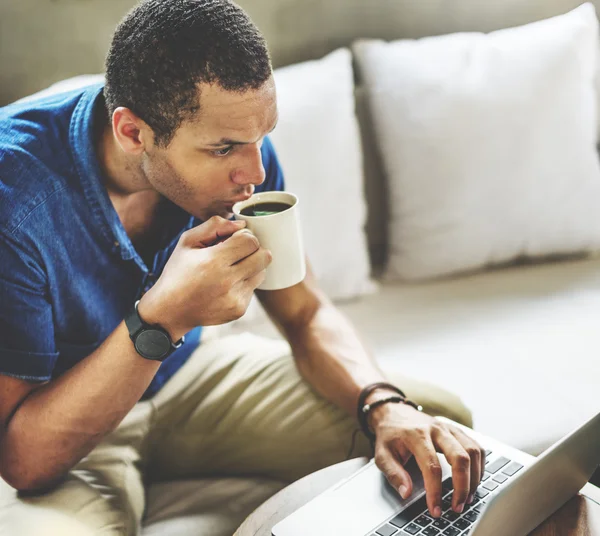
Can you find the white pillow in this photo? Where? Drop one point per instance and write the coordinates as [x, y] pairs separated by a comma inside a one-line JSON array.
[[488, 142]]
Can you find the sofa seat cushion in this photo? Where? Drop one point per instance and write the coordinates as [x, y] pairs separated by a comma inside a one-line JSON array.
[[207, 507], [520, 345]]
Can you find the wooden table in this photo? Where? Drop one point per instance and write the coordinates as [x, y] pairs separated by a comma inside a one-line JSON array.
[[579, 517]]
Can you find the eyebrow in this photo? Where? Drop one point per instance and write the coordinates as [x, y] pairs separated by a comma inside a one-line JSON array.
[[227, 141]]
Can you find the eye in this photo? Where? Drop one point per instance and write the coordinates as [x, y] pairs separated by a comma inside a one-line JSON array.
[[223, 152]]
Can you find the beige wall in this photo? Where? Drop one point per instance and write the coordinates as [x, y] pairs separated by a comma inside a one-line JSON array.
[[43, 41]]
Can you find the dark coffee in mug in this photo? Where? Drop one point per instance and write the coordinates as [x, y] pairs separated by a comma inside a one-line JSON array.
[[266, 208]]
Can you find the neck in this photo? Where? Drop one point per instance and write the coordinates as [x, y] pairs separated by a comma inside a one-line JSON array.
[[133, 198]]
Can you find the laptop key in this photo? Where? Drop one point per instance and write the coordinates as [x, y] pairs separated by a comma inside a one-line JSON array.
[[386, 530], [422, 521], [471, 516], [440, 523], [467, 507], [447, 484], [512, 468], [451, 516], [411, 528], [451, 531], [408, 514], [462, 524], [491, 485], [485, 476], [500, 478], [481, 493], [496, 465], [430, 531]]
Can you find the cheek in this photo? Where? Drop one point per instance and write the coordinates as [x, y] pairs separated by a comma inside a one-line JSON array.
[[168, 179], [195, 175], [216, 174]]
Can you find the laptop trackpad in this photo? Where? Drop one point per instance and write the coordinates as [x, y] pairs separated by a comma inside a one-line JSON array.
[[355, 507]]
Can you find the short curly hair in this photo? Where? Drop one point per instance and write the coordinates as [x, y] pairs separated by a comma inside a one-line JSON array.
[[163, 49]]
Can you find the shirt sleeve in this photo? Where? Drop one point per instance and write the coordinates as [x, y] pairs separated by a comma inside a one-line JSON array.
[[27, 346], [273, 173]]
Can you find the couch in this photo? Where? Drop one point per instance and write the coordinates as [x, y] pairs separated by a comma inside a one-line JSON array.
[[520, 344]]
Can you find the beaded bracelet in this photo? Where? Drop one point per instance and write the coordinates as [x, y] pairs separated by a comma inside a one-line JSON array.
[[363, 409]]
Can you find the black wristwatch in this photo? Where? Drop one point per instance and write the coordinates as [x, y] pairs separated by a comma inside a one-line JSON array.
[[150, 341]]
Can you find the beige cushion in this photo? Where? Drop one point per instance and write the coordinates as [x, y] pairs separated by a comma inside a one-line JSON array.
[[206, 507]]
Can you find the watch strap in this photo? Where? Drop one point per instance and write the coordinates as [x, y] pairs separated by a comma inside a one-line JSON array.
[[136, 325], [133, 321]]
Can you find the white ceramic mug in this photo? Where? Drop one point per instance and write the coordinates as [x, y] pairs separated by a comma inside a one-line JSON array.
[[280, 233]]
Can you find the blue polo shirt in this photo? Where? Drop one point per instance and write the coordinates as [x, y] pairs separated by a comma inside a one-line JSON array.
[[68, 271]]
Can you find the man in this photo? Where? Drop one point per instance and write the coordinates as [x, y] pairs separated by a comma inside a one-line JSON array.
[[114, 194]]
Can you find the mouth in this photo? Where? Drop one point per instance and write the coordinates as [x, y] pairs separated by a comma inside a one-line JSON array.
[[229, 204]]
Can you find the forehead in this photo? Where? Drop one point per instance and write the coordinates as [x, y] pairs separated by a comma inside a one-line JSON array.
[[246, 115]]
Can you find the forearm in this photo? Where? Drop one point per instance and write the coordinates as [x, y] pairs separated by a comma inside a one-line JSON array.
[[62, 421], [331, 357]]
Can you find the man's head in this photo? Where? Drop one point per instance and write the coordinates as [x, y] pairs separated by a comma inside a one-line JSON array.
[[185, 79]]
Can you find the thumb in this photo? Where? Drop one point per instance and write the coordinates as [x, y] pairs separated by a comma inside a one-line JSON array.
[[213, 230]]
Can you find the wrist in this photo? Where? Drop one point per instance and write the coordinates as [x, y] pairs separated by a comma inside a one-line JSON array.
[[373, 396], [379, 393], [379, 414], [153, 313]]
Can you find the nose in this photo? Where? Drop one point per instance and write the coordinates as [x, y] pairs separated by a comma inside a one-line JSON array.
[[251, 171]]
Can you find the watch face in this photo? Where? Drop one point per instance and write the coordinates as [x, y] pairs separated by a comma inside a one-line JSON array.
[[152, 344]]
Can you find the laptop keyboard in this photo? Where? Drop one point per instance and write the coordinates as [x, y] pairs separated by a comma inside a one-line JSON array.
[[416, 519]]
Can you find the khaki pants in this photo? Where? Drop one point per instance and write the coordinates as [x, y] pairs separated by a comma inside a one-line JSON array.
[[237, 407]]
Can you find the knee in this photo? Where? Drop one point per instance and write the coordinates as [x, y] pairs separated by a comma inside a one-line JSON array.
[[51, 523], [456, 410], [436, 400], [34, 515], [447, 404]]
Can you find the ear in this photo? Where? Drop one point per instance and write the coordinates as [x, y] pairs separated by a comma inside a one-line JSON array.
[[132, 133]]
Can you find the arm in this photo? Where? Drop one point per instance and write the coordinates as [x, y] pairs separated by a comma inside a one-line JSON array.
[[327, 350], [68, 416], [331, 358]]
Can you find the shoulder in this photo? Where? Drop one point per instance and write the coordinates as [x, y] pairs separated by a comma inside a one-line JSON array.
[[35, 153], [268, 153], [273, 172]]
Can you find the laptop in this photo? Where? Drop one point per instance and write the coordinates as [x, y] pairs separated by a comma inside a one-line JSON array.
[[516, 494]]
